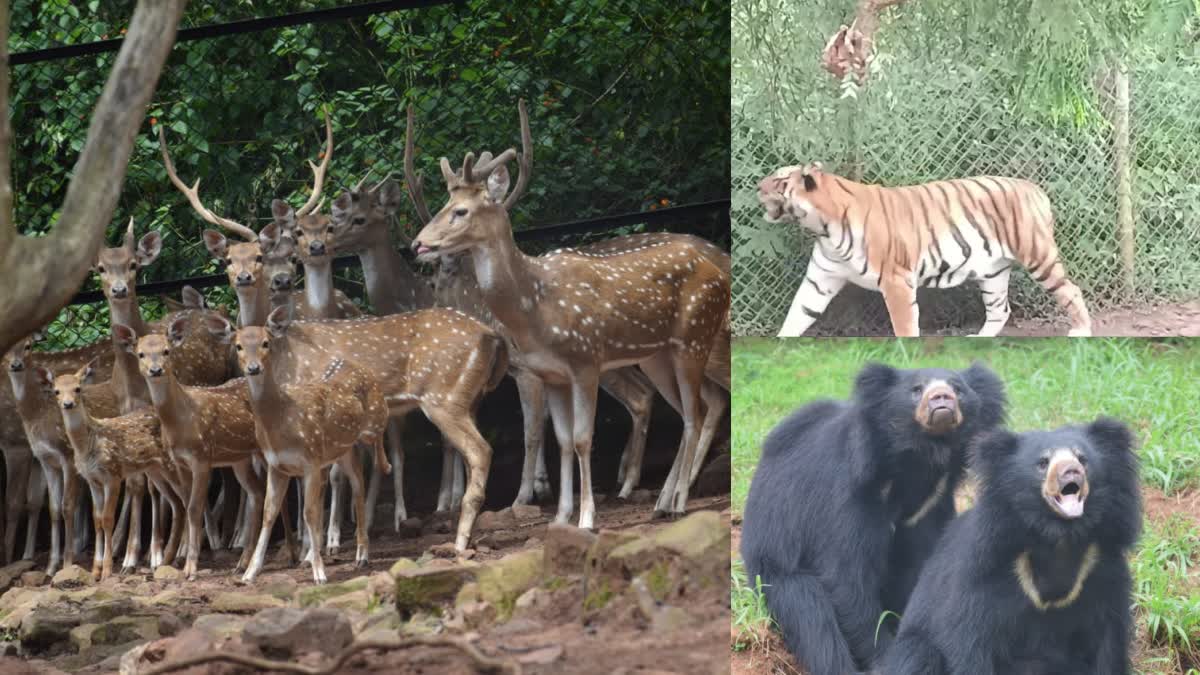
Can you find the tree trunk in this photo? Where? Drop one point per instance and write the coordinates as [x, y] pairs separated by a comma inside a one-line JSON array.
[[849, 48], [1122, 163], [39, 275]]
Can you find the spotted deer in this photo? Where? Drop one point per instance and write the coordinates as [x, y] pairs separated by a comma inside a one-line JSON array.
[[107, 451], [574, 315], [438, 361], [304, 428], [202, 428], [39, 416]]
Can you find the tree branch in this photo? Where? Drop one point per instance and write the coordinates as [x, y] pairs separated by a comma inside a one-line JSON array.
[[39, 275], [482, 662], [7, 228], [851, 46]]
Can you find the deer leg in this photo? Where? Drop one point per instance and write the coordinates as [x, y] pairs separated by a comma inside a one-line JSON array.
[[585, 388], [16, 481], [533, 414], [372, 497], [54, 484], [314, 500], [240, 523], [352, 467], [456, 488], [133, 540], [70, 505], [215, 518], [98, 492], [459, 428], [81, 516], [394, 439], [277, 485], [558, 399], [637, 395], [337, 485], [305, 544], [253, 487], [446, 487], [123, 521], [108, 519], [689, 377], [197, 498], [716, 400], [35, 499]]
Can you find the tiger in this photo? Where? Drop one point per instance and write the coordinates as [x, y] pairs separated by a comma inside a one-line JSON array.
[[934, 235]]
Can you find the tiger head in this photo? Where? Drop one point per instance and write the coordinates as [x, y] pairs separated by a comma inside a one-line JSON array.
[[793, 194]]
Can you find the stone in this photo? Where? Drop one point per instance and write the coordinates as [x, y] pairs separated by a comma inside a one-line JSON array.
[[566, 549], [444, 550], [71, 576], [243, 603], [354, 600], [168, 598], [219, 625], [11, 573], [33, 578], [502, 581], [89, 594], [167, 573], [119, 630], [606, 542], [381, 588], [478, 614], [699, 542], [542, 656], [427, 588], [280, 586], [295, 631], [527, 512], [45, 627], [496, 520], [532, 600], [401, 565], [169, 624], [641, 496], [410, 528], [317, 595]]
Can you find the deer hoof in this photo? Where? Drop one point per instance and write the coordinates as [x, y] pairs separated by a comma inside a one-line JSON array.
[[360, 564]]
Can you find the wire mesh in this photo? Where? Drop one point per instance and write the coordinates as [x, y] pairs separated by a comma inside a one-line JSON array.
[[931, 111], [620, 98]]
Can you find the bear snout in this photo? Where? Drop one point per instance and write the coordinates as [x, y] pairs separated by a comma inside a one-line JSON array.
[[938, 411]]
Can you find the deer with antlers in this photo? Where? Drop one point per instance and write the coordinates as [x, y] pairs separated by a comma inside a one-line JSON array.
[[43, 425], [574, 316], [305, 428]]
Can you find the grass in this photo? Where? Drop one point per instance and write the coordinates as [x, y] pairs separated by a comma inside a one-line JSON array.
[[1154, 386]]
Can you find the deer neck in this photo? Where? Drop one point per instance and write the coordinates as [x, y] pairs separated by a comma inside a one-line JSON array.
[[509, 285], [78, 426], [267, 397], [171, 402], [254, 304], [392, 285], [24, 393], [318, 288], [127, 383], [126, 312]]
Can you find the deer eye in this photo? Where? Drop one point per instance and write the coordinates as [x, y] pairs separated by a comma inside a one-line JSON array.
[[258, 259], [227, 261], [141, 355], [239, 347], [460, 212], [360, 220], [133, 267], [266, 344], [166, 352], [100, 269], [76, 390], [56, 392]]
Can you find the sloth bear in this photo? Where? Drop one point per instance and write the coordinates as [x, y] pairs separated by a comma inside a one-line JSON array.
[[1033, 579], [849, 499]]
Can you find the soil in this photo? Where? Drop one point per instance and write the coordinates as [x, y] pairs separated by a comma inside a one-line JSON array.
[[1167, 320], [764, 653]]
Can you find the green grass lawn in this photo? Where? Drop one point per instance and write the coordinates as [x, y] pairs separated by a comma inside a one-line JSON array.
[[1153, 386]]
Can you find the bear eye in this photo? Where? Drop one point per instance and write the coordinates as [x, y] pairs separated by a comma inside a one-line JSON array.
[[1044, 463], [917, 389], [1082, 459]]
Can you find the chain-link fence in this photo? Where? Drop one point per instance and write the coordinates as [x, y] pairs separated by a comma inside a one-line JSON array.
[[620, 97], [935, 109]]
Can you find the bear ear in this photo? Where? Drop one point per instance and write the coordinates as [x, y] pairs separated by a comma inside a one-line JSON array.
[[990, 449], [874, 379], [990, 389], [1111, 436]]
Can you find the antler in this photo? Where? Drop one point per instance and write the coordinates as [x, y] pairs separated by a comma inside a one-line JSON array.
[[524, 160], [416, 185], [193, 195], [313, 202], [129, 241]]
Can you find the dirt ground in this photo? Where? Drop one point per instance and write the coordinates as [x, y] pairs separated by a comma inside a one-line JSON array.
[[1168, 320], [767, 654]]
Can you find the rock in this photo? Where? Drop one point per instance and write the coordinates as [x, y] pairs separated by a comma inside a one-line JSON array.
[[19, 602], [33, 578], [468, 593], [316, 595], [169, 624], [12, 572], [411, 528], [243, 603], [543, 656], [662, 618], [358, 601], [444, 550], [496, 520], [381, 588], [401, 565], [71, 576], [641, 496], [606, 542], [280, 586], [699, 542], [532, 600], [168, 598], [89, 594], [478, 614], [119, 630], [527, 512], [294, 631], [219, 625], [715, 478], [188, 643], [167, 573], [45, 627], [10, 648], [427, 588], [566, 549], [502, 581], [376, 633]]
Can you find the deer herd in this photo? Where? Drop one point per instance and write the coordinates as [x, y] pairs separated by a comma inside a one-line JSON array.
[[304, 386]]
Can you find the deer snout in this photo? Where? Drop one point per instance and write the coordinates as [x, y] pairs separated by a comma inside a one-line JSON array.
[[244, 279], [253, 368], [68, 405], [281, 282], [316, 248], [155, 371], [120, 290], [16, 366]]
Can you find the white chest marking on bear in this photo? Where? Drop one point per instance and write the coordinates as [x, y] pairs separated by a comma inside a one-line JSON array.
[[1024, 570], [938, 491]]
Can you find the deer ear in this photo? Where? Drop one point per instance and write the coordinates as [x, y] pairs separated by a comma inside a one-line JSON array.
[[37, 335], [124, 337], [278, 321], [193, 299], [44, 378], [220, 328], [341, 206], [268, 237], [497, 184], [285, 215], [149, 248], [85, 373], [390, 195], [283, 248], [216, 244], [177, 330]]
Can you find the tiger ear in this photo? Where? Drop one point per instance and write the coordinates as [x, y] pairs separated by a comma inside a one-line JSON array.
[[810, 184]]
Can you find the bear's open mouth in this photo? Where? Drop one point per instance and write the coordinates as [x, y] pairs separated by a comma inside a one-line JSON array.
[[1070, 500], [1066, 487]]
